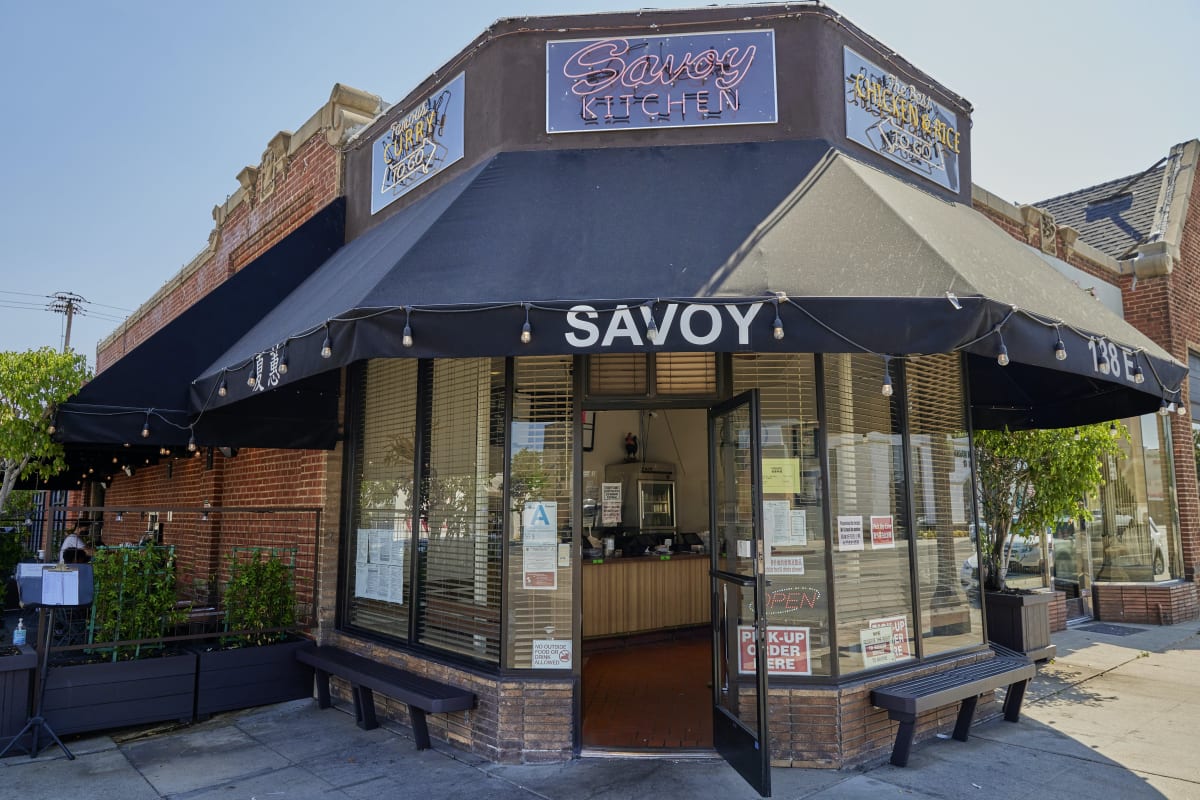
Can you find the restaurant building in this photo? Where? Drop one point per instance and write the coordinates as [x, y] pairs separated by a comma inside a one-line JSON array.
[[651, 359], [1129, 242]]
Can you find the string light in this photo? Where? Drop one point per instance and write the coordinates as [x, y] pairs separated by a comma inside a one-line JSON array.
[[887, 376], [51, 429], [1112, 430], [1181, 409], [1060, 349], [651, 325], [191, 445], [1163, 409], [251, 380], [1104, 363], [146, 428]]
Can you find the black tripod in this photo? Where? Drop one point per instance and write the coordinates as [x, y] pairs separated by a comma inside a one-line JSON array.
[[37, 723]]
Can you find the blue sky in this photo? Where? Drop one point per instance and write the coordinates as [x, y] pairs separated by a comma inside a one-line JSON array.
[[126, 122]]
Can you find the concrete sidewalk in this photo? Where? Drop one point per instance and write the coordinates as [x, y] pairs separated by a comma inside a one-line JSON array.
[[1112, 716]]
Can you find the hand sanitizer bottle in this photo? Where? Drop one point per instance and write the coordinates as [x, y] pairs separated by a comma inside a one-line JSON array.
[[19, 633]]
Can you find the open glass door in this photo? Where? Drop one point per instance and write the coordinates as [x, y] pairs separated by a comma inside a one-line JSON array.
[[739, 664]]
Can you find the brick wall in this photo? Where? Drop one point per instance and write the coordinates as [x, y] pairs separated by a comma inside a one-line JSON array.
[[513, 722], [836, 727], [299, 174], [1148, 604]]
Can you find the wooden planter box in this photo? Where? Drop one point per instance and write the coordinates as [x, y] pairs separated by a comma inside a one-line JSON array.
[[1020, 622], [94, 697], [245, 677], [16, 676]]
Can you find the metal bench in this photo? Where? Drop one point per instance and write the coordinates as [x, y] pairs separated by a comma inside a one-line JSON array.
[[422, 695], [905, 701]]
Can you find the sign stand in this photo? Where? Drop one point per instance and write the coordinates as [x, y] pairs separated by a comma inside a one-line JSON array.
[[60, 586]]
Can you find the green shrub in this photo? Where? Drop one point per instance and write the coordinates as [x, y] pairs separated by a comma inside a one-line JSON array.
[[134, 599], [260, 598]]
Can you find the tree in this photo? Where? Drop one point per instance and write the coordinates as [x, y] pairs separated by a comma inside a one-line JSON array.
[[1028, 480], [32, 384]]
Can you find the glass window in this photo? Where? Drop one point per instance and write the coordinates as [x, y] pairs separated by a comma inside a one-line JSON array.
[[643, 375], [378, 562], [617, 374], [459, 538], [685, 373], [940, 471], [1134, 530], [867, 496], [798, 594], [542, 459]]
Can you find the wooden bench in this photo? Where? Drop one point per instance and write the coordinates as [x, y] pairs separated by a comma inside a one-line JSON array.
[[422, 695], [905, 701]]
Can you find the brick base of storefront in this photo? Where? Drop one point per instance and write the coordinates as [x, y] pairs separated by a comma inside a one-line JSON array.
[[1148, 604], [1058, 612], [836, 726], [514, 721], [532, 720]]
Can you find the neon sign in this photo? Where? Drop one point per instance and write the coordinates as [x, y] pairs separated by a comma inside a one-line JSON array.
[[660, 81], [418, 145], [900, 122]]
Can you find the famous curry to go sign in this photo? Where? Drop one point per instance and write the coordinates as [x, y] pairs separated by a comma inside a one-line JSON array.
[[898, 120], [725, 78], [418, 145]]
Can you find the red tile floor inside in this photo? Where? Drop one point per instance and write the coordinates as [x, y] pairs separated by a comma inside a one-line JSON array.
[[649, 695]]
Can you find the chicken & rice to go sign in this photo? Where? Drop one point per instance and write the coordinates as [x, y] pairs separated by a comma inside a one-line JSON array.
[[787, 650]]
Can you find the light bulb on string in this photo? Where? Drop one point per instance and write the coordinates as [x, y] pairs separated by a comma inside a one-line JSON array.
[[1113, 430], [1138, 377], [1103, 364], [1162, 408], [146, 428], [251, 379], [407, 339], [282, 368], [1060, 349], [51, 429], [777, 325], [222, 389], [1181, 409], [651, 325], [887, 377], [526, 331], [1002, 355], [327, 345], [191, 445]]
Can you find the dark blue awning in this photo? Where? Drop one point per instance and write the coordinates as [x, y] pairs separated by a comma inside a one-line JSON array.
[[712, 243], [150, 385]]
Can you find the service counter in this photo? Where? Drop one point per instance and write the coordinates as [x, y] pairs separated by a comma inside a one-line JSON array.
[[645, 593]]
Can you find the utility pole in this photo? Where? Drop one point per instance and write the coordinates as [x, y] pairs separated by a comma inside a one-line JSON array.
[[66, 303]]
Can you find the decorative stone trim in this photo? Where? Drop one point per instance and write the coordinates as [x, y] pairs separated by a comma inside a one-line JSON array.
[[1073, 245], [347, 110]]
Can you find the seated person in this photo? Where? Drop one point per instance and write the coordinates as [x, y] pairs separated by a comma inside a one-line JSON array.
[[74, 547]]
